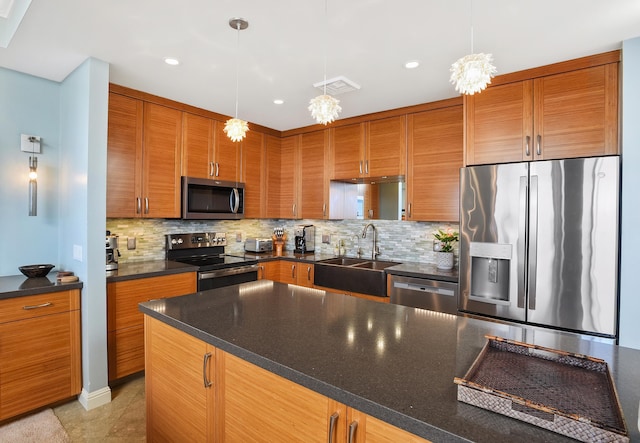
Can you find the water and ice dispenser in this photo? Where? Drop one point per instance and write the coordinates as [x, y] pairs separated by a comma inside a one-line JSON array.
[[490, 265]]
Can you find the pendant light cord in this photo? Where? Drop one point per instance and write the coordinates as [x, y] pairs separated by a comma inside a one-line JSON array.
[[326, 36], [237, 63]]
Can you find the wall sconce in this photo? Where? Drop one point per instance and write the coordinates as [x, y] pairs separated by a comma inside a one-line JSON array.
[[31, 144]]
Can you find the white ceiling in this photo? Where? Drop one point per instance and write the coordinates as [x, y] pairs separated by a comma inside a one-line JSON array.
[[282, 51]]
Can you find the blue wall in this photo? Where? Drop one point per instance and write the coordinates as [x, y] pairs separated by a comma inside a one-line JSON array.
[[31, 106], [630, 224]]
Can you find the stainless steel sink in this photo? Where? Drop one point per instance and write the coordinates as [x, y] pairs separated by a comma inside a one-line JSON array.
[[353, 275]]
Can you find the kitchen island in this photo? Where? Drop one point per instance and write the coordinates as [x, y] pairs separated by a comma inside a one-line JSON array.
[[393, 363]]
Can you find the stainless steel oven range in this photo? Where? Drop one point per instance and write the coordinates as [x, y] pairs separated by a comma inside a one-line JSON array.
[[206, 251]]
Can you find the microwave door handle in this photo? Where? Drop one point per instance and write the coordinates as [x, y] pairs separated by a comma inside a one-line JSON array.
[[234, 200]]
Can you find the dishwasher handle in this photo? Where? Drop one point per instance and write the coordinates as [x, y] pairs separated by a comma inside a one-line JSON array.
[[424, 287]]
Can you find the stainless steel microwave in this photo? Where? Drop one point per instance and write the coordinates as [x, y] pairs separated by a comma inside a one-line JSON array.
[[207, 199]]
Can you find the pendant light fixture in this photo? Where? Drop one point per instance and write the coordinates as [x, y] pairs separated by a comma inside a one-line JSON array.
[[472, 73], [235, 128], [325, 108]]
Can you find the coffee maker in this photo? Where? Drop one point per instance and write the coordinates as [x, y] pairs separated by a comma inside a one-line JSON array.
[[305, 239], [112, 252]]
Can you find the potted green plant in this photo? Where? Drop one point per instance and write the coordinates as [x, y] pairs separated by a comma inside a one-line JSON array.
[[444, 247]]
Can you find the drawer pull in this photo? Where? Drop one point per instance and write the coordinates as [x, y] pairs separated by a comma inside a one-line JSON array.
[[205, 362], [332, 425], [352, 431], [43, 305]]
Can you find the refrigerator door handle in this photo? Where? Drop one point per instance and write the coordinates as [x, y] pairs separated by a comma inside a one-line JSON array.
[[521, 246], [533, 241]]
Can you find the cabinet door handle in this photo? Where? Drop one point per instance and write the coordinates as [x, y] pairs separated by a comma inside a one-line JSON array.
[[409, 210], [353, 427], [217, 169], [293, 271], [527, 151], [324, 209], [211, 171], [293, 209], [366, 166], [360, 166], [43, 305], [146, 205], [138, 205], [332, 425], [538, 148], [205, 363], [309, 273]]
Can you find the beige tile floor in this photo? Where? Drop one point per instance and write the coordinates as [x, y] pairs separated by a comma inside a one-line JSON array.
[[121, 421]]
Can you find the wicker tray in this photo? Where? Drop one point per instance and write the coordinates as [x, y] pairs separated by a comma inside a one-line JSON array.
[[570, 394]]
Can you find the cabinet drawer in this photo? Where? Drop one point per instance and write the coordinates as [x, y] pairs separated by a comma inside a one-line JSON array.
[[20, 308]]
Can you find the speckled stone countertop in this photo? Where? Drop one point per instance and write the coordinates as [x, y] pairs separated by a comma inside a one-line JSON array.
[[151, 268], [20, 286], [392, 362]]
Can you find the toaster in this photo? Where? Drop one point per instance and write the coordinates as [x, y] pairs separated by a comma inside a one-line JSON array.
[[254, 244]]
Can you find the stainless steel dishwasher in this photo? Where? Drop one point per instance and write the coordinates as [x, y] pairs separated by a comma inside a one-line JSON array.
[[435, 295]]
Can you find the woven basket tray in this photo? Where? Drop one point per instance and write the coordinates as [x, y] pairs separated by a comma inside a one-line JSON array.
[[570, 394]]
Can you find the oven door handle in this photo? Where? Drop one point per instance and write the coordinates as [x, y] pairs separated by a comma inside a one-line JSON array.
[[227, 271]]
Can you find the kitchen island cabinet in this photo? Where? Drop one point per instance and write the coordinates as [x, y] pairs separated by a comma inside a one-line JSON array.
[[39, 350], [565, 110], [393, 363]]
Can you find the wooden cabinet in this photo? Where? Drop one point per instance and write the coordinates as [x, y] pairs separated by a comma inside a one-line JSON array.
[[253, 174], [272, 170], [195, 392], [290, 170], [435, 156], [143, 159], [561, 115], [287, 271], [314, 177], [125, 337], [206, 150], [179, 385], [376, 298], [40, 357], [376, 148], [269, 270], [262, 406]]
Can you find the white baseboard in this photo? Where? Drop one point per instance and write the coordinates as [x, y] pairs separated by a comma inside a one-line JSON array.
[[92, 400]]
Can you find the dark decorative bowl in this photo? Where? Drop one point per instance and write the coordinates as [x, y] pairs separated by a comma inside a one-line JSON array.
[[35, 271]]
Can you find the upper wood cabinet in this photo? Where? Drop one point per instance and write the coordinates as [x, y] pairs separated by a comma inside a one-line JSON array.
[[290, 170], [435, 156], [206, 150], [314, 177], [253, 174], [143, 159], [272, 168], [562, 115], [375, 148], [386, 147]]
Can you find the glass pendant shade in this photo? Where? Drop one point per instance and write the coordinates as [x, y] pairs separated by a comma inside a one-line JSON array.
[[33, 186], [324, 108], [236, 129], [472, 73]]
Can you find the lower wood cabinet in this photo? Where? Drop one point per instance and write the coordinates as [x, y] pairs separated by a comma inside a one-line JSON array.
[[288, 271], [125, 331], [198, 393], [40, 356], [356, 294]]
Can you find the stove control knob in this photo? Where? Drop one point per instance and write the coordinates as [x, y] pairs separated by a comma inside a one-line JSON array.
[[180, 241], [174, 241]]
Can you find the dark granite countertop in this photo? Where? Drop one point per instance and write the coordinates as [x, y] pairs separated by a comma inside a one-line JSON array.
[[423, 270], [151, 268], [20, 286], [392, 362]]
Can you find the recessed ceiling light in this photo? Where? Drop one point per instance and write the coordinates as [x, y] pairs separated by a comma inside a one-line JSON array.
[[412, 64], [278, 101], [171, 61]]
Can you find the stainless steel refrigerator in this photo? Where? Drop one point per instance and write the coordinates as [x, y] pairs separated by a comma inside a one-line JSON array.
[[539, 243]]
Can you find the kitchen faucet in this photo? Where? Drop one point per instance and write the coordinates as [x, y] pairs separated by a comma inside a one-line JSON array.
[[374, 249]]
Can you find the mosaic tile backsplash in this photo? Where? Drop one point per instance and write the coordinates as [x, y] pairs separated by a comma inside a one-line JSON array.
[[403, 241]]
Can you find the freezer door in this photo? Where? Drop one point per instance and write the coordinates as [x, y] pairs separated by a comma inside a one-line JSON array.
[[573, 251], [493, 223]]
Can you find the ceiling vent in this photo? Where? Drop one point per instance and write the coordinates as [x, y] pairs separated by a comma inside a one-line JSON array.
[[337, 85]]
